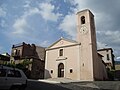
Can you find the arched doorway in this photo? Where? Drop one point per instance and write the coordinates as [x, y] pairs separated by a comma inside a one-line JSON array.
[[61, 70]]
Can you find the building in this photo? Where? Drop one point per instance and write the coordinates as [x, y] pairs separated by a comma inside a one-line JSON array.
[[117, 70], [77, 60], [4, 58], [108, 57], [35, 54]]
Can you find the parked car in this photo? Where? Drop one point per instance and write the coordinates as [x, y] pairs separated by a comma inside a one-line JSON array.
[[12, 78]]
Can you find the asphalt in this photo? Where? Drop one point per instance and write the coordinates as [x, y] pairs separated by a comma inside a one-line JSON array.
[[68, 84], [95, 85]]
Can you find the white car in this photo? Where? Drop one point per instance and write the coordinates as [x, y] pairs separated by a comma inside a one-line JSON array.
[[12, 78]]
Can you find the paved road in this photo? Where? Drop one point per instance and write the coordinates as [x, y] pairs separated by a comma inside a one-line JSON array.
[[37, 85], [99, 85]]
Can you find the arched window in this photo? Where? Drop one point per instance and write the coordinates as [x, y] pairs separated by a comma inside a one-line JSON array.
[[83, 20], [61, 52]]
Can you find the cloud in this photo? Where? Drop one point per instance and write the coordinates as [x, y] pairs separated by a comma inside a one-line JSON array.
[[118, 58], [3, 23], [27, 4], [80, 4], [2, 12], [68, 25], [28, 24], [113, 38], [47, 12], [45, 43], [21, 25], [101, 45]]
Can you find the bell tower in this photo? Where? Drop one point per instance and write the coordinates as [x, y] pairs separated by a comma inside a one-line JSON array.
[[86, 35]]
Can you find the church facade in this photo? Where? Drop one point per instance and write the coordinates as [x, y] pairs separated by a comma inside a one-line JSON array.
[[76, 60]]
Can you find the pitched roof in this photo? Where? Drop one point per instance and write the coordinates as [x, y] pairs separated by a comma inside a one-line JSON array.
[[69, 40]]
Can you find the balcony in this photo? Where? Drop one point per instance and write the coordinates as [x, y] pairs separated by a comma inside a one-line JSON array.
[[16, 55]]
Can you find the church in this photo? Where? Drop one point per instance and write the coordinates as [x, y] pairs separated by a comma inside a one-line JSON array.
[[76, 60]]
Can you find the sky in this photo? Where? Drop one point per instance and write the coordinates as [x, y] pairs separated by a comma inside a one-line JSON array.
[[43, 22]]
